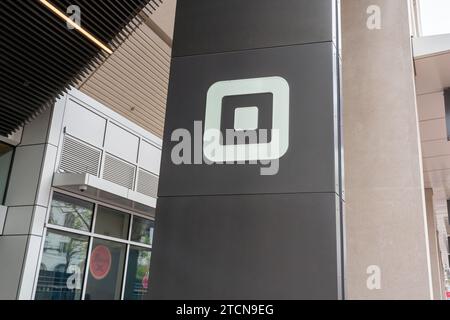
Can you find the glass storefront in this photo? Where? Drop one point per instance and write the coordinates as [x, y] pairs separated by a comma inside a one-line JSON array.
[[71, 213], [142, 230], [6, 153], [62, 266], [106, 268], [137, 273], [112, 223], [94, 252]]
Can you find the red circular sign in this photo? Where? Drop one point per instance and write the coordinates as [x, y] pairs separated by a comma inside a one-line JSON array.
[[100, 262]]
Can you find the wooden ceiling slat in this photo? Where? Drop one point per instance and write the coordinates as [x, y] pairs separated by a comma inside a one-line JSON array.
[[115, 102], [132, 94]]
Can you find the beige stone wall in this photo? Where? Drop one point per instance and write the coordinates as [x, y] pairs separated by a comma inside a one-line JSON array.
[[385, 207]]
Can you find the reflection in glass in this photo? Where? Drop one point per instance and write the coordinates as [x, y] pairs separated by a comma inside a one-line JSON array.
[[62, 267], [106, 266], [6, 153], [112, 223], [71, 212], [142, 230], [137, 281]]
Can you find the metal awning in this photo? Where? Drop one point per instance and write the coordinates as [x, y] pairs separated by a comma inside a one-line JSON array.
[[102, 190], [42, 57]]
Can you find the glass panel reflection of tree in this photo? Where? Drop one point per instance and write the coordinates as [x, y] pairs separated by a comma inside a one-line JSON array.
[[62, 267], [137, 281], [142, 230], [71, 212]]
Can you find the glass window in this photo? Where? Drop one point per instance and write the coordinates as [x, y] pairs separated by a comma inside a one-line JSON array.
[[142, 230], [434, 17], [6, 153], [71, 212], [112, 223], [77, 264], [62, 268], [137, 281], [106, 266]]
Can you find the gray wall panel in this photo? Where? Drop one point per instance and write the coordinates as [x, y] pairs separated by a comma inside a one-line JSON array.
[[35, 132], [309, 164], [246, 247], [233, 25], [25, 175], [12, 247]]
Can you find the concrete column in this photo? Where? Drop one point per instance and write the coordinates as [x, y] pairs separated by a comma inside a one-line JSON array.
[[435, 259], [386, 229], [27, 199]]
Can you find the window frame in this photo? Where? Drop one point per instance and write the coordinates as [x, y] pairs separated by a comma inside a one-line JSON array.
[[92, 235]]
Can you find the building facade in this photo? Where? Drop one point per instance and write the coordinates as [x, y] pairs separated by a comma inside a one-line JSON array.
[[79, 171], [80, 202]]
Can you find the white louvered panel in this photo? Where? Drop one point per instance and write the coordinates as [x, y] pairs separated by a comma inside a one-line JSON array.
[[118, 171], [147, 183], [78, 157]]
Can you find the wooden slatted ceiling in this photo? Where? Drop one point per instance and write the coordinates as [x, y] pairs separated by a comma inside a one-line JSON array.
[[133, 81]]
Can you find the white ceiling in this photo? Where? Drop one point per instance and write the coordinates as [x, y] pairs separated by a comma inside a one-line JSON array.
[[432, 76], [432, 65]]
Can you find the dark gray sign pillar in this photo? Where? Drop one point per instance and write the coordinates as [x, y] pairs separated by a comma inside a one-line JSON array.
[[235, 231]]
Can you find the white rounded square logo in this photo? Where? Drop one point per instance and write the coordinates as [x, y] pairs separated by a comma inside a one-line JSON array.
[[246, 118]]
